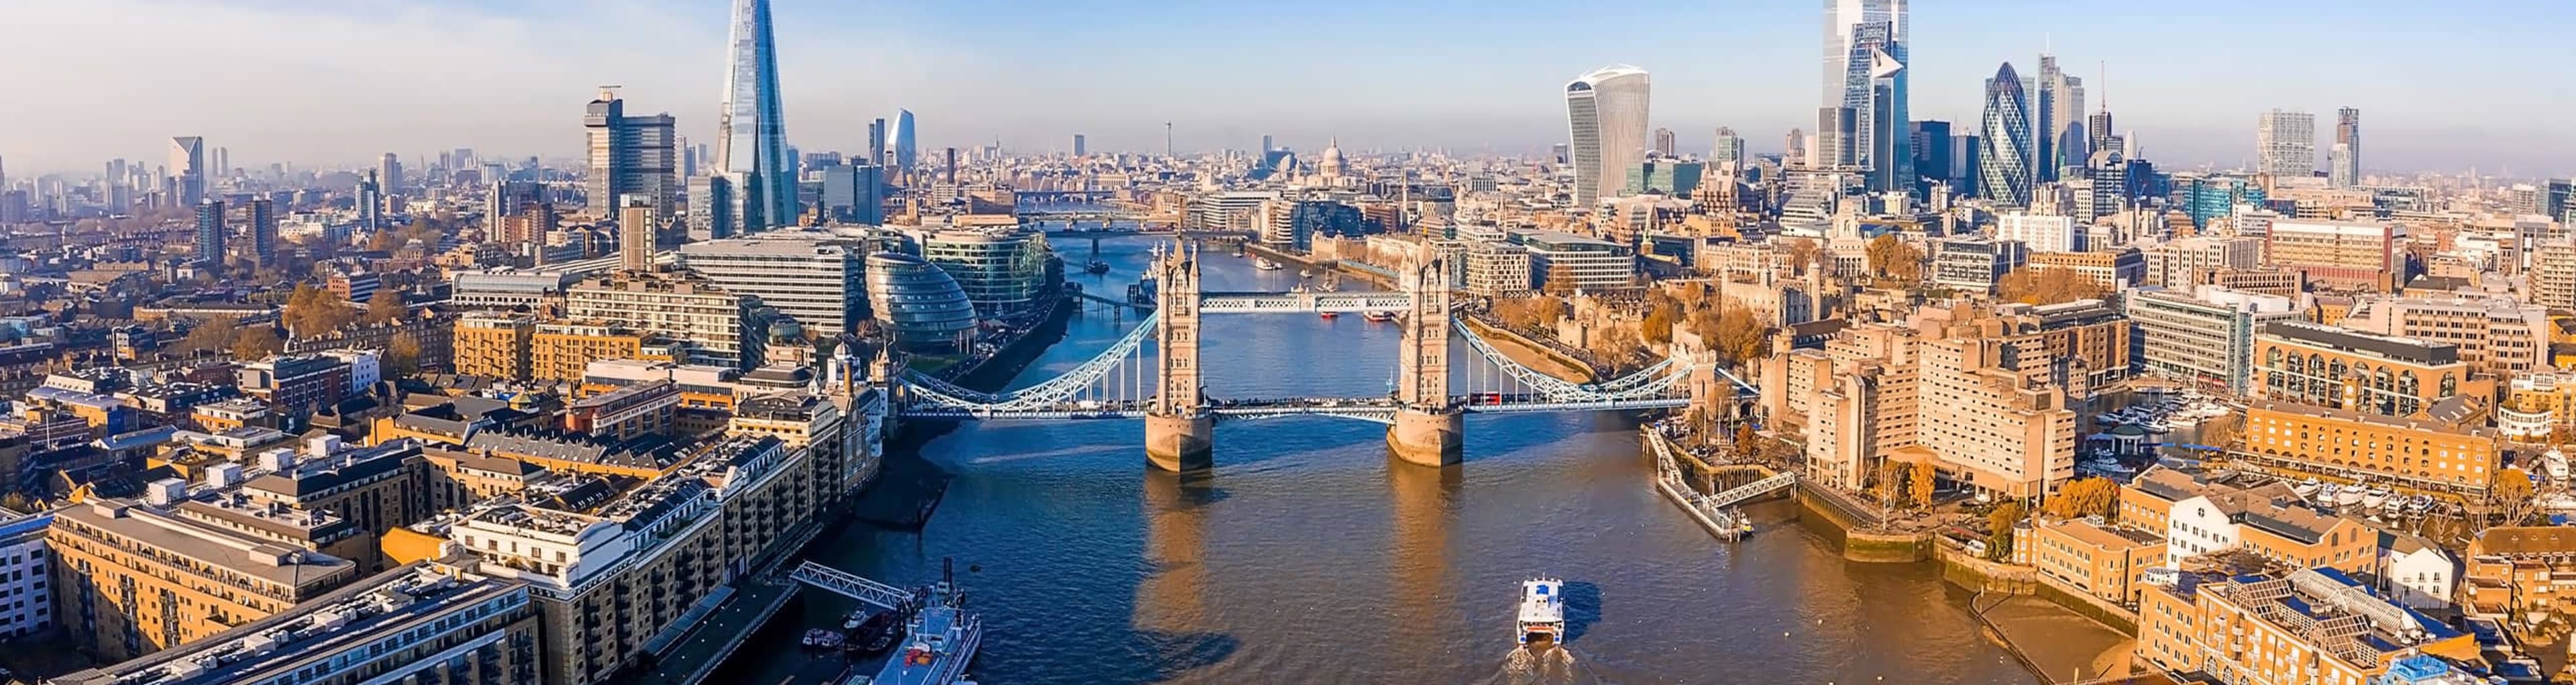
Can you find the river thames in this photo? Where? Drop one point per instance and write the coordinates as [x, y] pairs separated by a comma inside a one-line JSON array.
[[1308, 555]]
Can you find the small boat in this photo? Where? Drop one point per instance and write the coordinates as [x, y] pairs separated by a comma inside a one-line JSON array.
[[1380, 316], [856, 617], [1264, 264], [1328, 315], [2350, 495], [876, 635], [1542, 611], [1096, 267]]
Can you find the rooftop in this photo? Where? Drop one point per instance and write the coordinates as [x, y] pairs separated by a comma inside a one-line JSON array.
[[344, 620], [131, 523]]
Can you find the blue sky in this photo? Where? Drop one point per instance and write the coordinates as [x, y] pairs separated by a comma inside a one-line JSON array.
[[2441, 85]]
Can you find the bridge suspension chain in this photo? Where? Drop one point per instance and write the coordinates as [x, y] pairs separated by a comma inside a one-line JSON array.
[[1652, 382], [1056, 391]]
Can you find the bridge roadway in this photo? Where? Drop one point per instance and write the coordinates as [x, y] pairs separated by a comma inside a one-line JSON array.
[[1373, 409]]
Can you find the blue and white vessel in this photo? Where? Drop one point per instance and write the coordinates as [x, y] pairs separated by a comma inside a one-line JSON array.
[[1542, 611]]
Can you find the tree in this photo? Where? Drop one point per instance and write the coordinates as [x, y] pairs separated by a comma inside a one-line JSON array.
[[1538, 313], [1616, 344], [1894, 259], [2512, 496], [213, 334], [402, 356], [1803, 253], [1891, 483], [1748, 444], [1658, 325], [386, 306], [2047, 286], [1738, 334], [312, 311], [1999, 529], [2084, 497], [1922, 485], [257, 343]]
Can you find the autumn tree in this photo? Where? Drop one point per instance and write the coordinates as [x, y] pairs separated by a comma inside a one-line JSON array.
[[213, 334], [402, 356], [1617, 344], [1802, 252], [312, 311], [1738, 334], [2512, 497], [1894, 259], [1999, 529], [2047, 286], [1922, 485], [1891, 482], [1748, 444], [1658, 324], [2084, 497], [1538, 313], [257, 343], [386, 306]]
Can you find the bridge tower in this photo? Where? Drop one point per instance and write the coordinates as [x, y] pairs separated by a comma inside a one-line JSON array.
[[1179, 432], [1428, 426]]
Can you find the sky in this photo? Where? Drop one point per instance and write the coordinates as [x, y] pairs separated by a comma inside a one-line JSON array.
[[2442, 86]]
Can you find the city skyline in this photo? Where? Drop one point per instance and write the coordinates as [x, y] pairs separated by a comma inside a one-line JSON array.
[[2189, 105]]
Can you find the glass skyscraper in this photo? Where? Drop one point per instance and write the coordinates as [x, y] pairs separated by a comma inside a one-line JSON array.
[[1605, 115], [1865, 55], [2285, 144], [902, 149], [751, 136], [2004, 155]]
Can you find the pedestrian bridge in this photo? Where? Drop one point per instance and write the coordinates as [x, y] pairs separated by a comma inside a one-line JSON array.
[[850, 585]]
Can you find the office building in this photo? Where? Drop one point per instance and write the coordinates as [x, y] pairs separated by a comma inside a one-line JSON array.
[[722, 328], [2441, 455], [2203, 335], [422, 623], [493, 344], [1564, 262], [2346, 256], [2497, 335], [712, 213], [261, 219], [2057, 114], [855, 194], [1728, 148], [211, 233], [2364, 372], [1496, 269], [562, 351], [1663, 142], [1605, 113], [295, 382], [816, 278], [2113, 269], [1865, 58], [2040, 233], [26, 574], [1976, 264], [904, 152], [1837, 131], [505, 288], [2005, 158], [751, 131], [2285, 144], [1666, 176], [1078, 149], [2343, 168], [1933, 156], [2553, 275], [187, 171], [1002, 269], [629, 156]]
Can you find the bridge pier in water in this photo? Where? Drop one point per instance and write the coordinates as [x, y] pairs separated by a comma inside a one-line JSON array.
[[1428, 437], [1181, 442]]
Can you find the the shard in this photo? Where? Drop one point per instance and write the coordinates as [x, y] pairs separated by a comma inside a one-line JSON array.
[[751, 131]]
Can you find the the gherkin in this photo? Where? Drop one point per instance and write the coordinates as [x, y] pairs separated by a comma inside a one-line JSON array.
[[2004, 148]]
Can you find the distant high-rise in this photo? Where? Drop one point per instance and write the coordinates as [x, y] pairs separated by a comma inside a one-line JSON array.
[[188, 170], [854, 193], [1728, 148], [877, 141], [900, 144], [1796, 157], [2345, 170], [1664, 142], [1866, 46], [210, 233], [262, 220], [635, 233], [711, 207], [2285, 144], [1931, 141], [1077, 146], [629, 156], [1266, 145], [1836, 127], [2099, 128], [371, 204], [390, 174], [751, 131], [1605, 114], [2004, 157], [2057, 120]]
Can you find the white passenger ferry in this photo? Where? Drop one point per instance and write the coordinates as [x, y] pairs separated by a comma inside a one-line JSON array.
[[1542, 611]]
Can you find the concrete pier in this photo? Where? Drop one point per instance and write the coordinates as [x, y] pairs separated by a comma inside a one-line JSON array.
[[1429, 438], [1180, 443]]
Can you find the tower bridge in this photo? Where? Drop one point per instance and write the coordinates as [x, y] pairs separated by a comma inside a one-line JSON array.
[[1424, 416]]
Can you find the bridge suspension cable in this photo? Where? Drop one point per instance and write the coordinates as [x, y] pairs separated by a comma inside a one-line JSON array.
[[1653, 382], [1083, 382]]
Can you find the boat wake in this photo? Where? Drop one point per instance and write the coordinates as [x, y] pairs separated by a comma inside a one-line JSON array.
[[1553, 665]]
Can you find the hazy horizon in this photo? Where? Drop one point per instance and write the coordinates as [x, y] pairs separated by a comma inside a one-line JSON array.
[[324, 83]]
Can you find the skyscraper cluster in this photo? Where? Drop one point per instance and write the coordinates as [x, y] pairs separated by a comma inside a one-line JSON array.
[[1862, 121]]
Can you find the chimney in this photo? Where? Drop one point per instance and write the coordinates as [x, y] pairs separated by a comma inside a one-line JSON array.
[[165, 492]]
